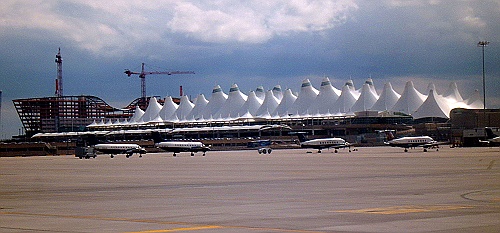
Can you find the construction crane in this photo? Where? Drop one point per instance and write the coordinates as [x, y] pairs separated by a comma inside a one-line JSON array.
[[142, 76]]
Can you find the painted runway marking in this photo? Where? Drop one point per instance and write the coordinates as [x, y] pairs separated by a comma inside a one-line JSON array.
[[404, 209]]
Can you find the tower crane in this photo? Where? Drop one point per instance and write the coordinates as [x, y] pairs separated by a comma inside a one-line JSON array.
[[142, 76]]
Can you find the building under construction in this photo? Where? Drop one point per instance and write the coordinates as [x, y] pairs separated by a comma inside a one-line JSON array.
[[62, 113]]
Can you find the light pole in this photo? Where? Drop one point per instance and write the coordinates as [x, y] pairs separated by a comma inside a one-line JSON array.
[[483, 44]]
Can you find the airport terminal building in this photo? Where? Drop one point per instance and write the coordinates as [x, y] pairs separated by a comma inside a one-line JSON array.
[[355, 114]]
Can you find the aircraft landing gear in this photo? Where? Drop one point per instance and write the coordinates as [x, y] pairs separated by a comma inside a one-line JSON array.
[[336, 151], [112, 156], [319, 151], [425, 149], [406, 149], [175, 155], [204, 153], [192, 153]]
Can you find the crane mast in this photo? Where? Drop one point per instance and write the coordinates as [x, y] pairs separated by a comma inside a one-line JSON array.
[[143, 73], [59, 79]]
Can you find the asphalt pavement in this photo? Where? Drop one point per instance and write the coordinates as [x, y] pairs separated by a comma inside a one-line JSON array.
[[378, 189]]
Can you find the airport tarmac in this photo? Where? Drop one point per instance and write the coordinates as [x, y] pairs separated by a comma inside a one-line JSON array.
[[378, 189]]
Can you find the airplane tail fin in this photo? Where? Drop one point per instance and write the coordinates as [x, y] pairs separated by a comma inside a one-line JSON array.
[[91, 140], [389, 135], [301, 135], [489, 133], [156, 137]]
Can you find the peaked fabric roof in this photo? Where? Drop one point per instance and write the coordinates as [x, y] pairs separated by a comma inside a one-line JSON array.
[[452, 92], [269, 105], [309, 103], [151, 112], [215, 104], [184, 109], [233, 104], [251, 106], [366, 100], [287, 102], [199, 105], [277, 92], [306, 96], [137, 115], [410, 100], [260, 92], [475, 100], [387, 98], [434, 106], [345, 101], [167, 112], [324, 102]]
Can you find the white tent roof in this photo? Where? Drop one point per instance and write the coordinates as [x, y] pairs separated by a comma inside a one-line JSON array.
[[184, 109], [369, 81], [167, 111], [387, 98], [430, 87], [199, 105], [475, 100], [286, 102], [233, 104], [215, 104], [345, 101], [366, 100], [325, 99], [252, 104], [453, 92], [260, 92], [269, 105], [137, 115], [151, 112], [277, 92], [434, 106], [306, 96], [410, 100]]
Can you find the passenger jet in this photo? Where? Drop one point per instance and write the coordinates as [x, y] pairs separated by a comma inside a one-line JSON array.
[[179, 146], [322, 143]]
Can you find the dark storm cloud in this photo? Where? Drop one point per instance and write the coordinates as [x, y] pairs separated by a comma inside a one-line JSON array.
[[250, 43]]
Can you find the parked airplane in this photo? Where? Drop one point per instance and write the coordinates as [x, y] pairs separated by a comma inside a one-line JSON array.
[[491, 137], [179, 146], [322, 143], [411, 142], [115, 148]]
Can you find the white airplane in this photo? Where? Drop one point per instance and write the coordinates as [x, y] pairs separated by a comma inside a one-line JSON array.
[[492, 138], [115, 148], [179, 146], [411, 142], [323, 143]]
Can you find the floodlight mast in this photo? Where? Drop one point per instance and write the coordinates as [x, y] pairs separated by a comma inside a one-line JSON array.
[[483, 44]]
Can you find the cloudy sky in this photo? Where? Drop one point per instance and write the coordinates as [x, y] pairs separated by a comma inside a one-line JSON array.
[[251, 43]]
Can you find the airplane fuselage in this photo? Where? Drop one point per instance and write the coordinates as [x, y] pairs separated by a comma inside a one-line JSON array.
[[112, 149], [323, 143], [407, 142], [178, 146]]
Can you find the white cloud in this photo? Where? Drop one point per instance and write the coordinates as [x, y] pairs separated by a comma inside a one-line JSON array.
[[109, 27], [257, 21]]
